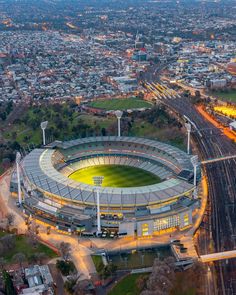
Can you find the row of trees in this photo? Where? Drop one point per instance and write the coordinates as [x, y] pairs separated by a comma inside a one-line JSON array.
[[5, 110]]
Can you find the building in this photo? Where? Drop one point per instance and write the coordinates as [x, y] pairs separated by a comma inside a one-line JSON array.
[[71, 206]]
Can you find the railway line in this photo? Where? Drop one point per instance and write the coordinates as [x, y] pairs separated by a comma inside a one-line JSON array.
[[221, 175], [222, 188]]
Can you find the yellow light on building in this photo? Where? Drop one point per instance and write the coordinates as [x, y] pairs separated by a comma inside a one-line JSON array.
[[145, 229]]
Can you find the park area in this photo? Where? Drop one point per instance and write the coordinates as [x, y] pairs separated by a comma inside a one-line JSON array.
[[128, 285], [121, 104], [229, 95], [65, 123], [134, 259], [139, 259], [132, 285], [116, 176], [12, 245]]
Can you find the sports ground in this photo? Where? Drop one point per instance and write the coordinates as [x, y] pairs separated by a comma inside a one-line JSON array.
[[120, 104], [116, 176], [229, 95]]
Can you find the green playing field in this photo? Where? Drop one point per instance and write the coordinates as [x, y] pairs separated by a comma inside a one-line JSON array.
[[116, 176], [120, 104]]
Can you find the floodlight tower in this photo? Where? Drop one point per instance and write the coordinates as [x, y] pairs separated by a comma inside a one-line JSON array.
[[118, 116], [98, 183], [43, 126], [18, 158], [188, 127], [194, 161]]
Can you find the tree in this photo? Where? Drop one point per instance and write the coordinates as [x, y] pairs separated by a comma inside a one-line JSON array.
[[8, 242], [32, 236], [2, 263], [19, 258], [65, 250], [108, 270], [69, 286], [10, 217], [104, 132], [83, 287], [33, 258], [66, 267], [162, 278], [1, 248], [141, 282], [8, 284], [37, 258], [41, 257]]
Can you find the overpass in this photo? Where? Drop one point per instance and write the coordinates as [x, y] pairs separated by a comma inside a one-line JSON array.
[[218, 256], [218, 159]]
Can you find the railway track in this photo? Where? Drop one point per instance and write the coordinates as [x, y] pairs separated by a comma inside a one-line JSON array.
[[221, 176]]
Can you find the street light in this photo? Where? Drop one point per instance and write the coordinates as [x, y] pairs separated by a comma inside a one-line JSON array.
[[18, 158], [194, 161], [43, 126], [118, 116], [188, 127], [98, 183]]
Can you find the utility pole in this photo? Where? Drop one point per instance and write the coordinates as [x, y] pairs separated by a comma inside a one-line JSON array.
[[188, 127], [43, 126], [18, 159], [118, 116], [98, 183]]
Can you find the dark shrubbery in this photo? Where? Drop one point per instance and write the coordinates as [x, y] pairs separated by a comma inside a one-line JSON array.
[[65, 267]]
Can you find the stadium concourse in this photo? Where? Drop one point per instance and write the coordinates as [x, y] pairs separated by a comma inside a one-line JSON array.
[[52, 196]]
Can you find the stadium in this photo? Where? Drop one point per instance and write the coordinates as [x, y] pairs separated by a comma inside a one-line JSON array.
[[147, 187]]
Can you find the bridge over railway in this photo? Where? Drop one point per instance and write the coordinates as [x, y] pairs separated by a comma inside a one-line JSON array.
[[218, 159], [218, 256]]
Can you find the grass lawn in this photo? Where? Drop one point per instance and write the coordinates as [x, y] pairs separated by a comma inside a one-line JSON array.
[[127, 286], [121, 104], [93, 121], [170, 135], [116, 176], [229, 95], [182, 286], [139, 259], [22, 246], [97, 260]]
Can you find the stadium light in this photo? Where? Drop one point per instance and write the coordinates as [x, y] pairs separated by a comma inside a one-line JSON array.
[[97, 180], [18, 158], [43, 126], [118, 116], [194, 161], [188, 127]]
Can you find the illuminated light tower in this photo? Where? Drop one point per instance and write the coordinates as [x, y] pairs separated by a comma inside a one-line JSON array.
[[188, 127], [118, 116], [98, 183], [18, 158], [194, 161], [43, 126]]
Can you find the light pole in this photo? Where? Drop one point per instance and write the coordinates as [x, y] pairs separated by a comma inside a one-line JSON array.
[[118, 116], [98, 183], [188, 127], [18, 158], [43, 126], [194, 161]]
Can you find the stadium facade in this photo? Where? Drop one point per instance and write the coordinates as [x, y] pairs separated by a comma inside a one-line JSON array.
[[51, 196]]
